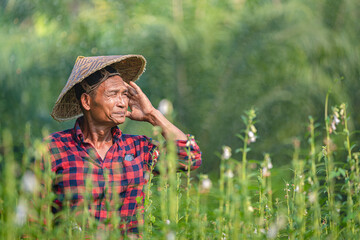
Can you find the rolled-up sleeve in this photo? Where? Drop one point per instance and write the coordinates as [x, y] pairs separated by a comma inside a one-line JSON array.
[[188, 153]]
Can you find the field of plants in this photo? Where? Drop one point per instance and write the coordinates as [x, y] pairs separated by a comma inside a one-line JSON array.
[[320, 201], [243, 77]]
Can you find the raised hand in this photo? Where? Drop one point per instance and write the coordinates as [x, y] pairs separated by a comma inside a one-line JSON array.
[[140, 106], [142, 110]]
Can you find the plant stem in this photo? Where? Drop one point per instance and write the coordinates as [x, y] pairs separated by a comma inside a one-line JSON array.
[[315, 207], [329, 169]]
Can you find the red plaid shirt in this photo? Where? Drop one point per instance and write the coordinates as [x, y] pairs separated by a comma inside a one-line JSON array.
[[121, 171]]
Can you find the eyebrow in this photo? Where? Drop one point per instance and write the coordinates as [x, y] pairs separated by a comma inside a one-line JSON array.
[[125, 90]]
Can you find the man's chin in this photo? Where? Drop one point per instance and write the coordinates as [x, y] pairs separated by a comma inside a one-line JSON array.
[[119, 121]]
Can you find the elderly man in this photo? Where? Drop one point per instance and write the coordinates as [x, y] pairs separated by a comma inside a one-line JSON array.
[[102, 89]]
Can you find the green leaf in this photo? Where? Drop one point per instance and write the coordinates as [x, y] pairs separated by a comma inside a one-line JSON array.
[[352, 146], [333, 174], [139, 199], [240, 136], [342, 172], [244, 119]]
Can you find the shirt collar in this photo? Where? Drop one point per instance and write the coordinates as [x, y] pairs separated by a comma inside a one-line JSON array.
[[79, 136], [116, 133]]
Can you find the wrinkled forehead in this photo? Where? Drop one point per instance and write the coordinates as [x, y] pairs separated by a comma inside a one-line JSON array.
[[114, 83]]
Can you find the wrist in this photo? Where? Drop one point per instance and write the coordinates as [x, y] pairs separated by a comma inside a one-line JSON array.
[[153, 117]]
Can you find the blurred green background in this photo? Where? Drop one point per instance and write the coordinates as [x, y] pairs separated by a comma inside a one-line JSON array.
[[212, 58]]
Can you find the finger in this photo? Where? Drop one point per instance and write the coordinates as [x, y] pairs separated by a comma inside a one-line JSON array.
[[132, 102], [135, 86], [132, 91]]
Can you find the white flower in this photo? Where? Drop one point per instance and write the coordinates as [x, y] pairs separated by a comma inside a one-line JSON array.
[[29, 182], [165, 107], [191, 142], [76, 227], [250, 208], [334, 122], [273, 231], [269, 166], [276, 226], [251, 134], [21, 212], [170, 236], [147, 176], [297, 189], [281, 222], [266, 172], [333, 126], [252, 137], [206, 184], [130, 236], [226, 152], [167, 221], [229, 173]]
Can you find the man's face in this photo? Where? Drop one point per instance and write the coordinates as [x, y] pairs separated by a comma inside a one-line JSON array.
[[110, 102]]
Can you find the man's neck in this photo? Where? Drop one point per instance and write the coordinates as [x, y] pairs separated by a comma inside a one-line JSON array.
[[95, 134]]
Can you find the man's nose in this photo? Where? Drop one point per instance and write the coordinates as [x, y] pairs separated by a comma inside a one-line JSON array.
[[121, 101]]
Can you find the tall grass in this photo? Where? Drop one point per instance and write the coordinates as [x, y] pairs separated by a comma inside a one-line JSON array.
[[321, 201]]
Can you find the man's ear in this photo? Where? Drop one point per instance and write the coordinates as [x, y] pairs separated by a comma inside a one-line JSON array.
[[85, 101]]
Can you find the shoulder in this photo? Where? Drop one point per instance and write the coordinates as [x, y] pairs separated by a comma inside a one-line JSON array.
[[58, 143], [58, 137]]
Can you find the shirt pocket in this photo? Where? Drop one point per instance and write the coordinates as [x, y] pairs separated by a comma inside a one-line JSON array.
[[133, 171]]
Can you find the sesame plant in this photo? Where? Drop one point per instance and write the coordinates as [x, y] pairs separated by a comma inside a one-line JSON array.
[[319, 201]]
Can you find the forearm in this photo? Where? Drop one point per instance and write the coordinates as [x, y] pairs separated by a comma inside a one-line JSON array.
[[169, 130]]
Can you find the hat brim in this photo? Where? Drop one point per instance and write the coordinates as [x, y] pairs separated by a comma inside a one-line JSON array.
[[67, 106]]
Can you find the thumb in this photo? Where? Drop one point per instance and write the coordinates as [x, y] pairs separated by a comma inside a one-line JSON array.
[[128, 114]]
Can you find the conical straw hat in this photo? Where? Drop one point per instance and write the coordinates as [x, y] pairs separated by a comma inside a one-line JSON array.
[[67, 106]]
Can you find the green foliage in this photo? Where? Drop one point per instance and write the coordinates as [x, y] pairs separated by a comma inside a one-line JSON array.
[[317, 197], [211, 58]]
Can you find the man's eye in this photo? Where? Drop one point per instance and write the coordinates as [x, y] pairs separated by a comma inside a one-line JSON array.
[[111, 94]]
